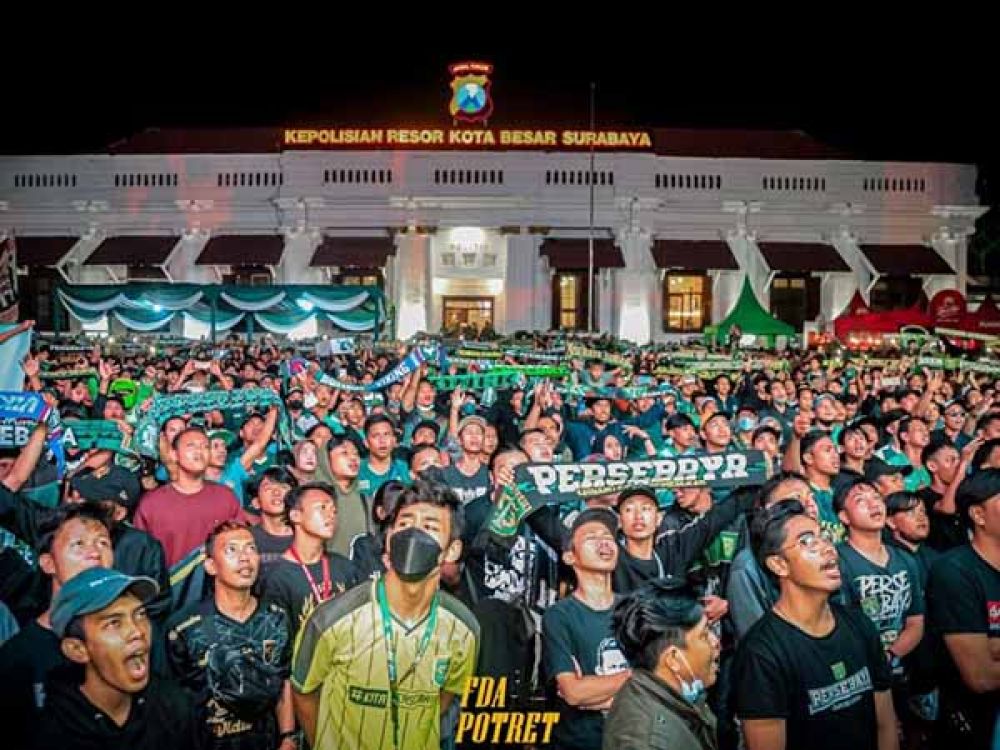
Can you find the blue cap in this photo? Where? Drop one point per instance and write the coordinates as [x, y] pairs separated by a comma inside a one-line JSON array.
[[94, 589]]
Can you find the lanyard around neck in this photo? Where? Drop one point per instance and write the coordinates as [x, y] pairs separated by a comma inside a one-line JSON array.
[[388, 631]]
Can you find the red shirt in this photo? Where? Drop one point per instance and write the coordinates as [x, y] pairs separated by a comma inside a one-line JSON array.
[[182, 522]]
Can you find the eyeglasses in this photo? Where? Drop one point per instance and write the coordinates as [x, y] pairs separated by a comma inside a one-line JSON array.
[[811, 541]]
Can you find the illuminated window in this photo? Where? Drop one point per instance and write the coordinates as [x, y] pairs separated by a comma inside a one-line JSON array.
[[685, 302]]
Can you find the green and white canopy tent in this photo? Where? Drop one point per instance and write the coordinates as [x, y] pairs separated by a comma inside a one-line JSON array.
[[752, 318], [278, 309]]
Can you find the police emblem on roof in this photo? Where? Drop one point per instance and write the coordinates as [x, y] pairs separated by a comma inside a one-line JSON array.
[[470, 91]]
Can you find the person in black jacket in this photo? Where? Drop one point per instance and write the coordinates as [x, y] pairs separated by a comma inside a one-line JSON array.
[[100, 618], [651, 551]]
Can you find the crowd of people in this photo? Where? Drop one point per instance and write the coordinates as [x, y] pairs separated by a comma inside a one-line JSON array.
[[311, 554]]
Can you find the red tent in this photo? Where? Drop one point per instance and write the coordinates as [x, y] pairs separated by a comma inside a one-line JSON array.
[[985, 320], [859, 318]]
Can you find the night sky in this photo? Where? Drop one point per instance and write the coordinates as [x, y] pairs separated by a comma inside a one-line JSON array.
[[888, 95]]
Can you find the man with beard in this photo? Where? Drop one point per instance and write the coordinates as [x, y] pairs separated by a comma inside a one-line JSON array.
[[810, 673], [390, 687], [307, 574], [234, 625]]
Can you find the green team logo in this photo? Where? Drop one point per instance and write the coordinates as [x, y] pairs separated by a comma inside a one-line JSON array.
[[870, 605], [441, 671], [839, 670]]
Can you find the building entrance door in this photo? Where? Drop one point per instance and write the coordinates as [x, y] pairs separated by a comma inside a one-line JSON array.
[[464, 312]]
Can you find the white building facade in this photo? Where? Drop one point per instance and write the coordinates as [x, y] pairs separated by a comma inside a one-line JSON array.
[[503, 236]]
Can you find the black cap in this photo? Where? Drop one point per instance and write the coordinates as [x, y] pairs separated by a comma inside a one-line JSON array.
[[876, 468], [678, 420], [115, 485], [600, 515], [636, 492], [976, 490], [893, 415]]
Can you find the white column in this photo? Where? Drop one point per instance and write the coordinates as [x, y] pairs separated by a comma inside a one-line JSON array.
[[836, 290], [294, 267], [726, 286], [744, 248], [850, 250], [182, 266], [412, 293], [542, 312], [954, 249], [520, 282], [634, 288]]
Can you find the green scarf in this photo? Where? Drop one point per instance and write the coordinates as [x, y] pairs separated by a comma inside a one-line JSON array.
[[537, 485], [164, 407]]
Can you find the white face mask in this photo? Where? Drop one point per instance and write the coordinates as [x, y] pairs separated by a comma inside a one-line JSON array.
[[309, 401]]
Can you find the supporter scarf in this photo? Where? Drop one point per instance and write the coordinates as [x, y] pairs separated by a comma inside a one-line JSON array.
[[536, 356], [576, 351], [147, 431], [96, 434], [68, 374], [500, 377], [17, 411], [537, 485], [410, 363]]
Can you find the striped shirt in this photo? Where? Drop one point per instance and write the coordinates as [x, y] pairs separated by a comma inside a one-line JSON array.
[[341, 652]]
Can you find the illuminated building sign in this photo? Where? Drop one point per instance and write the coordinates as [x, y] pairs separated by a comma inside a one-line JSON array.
[[460, 138], [470, 91]]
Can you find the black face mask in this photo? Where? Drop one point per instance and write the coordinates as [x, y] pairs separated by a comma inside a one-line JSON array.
[[413, 554], [294, 405]]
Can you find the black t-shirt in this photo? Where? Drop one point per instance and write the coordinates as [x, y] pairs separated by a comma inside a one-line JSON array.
[[947, 530], [631, 572], [264, 635], [571, 630], [963, 596], [466, 487], [285, 583], [27, 661], [888, 594], [476, 514], [270, 546], [823, 688], [161, 718]]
